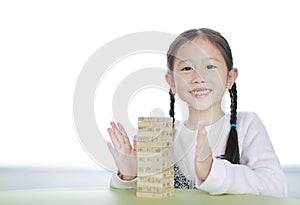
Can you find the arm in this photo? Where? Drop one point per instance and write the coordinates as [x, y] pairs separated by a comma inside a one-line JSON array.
[[258, 173]]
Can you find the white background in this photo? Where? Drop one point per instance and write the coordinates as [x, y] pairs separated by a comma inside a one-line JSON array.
[[44, 45]]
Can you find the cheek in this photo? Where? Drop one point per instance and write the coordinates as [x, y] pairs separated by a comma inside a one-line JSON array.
[[181, 83], [220, 79]]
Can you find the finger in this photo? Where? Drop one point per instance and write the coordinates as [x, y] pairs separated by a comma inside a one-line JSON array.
[[121, 128], [114, 139], [117, 133], [123, 147], [134, 142], [203, 149], [202, 134], [115, 127], [125, 136], [126, 139], [126, 147]]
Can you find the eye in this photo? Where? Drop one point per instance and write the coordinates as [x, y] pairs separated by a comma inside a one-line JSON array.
[[187, 69], [209, 67]]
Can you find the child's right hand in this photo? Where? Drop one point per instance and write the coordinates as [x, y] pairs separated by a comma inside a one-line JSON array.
[[123, 153]]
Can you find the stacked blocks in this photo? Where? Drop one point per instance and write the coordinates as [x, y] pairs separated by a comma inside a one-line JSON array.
[[155, 157]]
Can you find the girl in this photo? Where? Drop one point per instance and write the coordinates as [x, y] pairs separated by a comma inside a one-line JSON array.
[[213, 151]]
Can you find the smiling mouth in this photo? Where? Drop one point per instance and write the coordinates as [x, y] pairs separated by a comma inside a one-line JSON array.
[[200, 93]]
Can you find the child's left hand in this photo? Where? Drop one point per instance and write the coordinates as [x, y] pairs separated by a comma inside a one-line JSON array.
[[203, 155]]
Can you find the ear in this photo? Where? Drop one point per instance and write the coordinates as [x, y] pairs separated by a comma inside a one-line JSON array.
[[232, 75], [170, 81]]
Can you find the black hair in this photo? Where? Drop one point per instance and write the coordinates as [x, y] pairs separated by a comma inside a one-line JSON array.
[[172, 103], [232, 149]]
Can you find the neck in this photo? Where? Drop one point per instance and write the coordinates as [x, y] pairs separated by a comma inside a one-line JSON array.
[[209, 116]]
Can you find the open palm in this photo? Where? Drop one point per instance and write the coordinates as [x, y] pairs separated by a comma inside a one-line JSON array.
[[122, 151]]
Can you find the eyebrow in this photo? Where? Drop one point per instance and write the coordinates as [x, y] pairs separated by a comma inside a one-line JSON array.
[[213, 58], [188, 59], [183, 61]]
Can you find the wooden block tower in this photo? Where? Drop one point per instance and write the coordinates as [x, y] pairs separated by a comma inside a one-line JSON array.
[[155, 157]]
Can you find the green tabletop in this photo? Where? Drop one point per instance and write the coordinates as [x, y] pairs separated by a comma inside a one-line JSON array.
[[103, 196]]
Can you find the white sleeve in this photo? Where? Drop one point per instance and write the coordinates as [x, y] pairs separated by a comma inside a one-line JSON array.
[[258, 173], [116, 182]]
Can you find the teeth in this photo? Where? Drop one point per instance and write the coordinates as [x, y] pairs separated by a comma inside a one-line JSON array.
[[202, 92]]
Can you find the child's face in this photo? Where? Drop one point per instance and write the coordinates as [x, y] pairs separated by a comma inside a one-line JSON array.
[[200, 76]]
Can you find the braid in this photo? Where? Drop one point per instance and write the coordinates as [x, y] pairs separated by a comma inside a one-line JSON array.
[[233, 106], [172, 102], [232, 153]]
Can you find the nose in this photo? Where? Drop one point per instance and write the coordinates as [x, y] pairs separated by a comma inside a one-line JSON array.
[[198, 76]]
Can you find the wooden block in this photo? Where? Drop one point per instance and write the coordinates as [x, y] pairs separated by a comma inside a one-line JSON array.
[[155, 157], [155, 195]]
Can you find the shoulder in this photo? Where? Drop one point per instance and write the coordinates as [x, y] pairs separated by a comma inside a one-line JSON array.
[[250, 125], [248, 118], [246, 115], [251, 128]]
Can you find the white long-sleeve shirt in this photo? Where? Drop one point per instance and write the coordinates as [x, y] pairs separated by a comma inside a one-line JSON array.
[[258, 173]]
